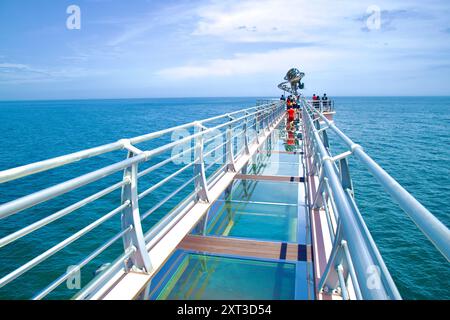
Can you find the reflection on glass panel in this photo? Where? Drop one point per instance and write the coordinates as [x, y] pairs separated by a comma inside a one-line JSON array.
[[264, 191], [256, 221], [208, 277]]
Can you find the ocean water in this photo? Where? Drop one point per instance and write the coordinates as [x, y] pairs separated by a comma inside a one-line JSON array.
[[408, 136]]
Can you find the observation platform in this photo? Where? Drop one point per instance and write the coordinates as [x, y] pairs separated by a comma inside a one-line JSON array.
[[244, 205]]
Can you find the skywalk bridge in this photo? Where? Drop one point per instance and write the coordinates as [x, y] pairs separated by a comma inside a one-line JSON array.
[[261, 209]]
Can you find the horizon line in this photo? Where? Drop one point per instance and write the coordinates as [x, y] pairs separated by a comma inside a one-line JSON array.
[[214, 97]]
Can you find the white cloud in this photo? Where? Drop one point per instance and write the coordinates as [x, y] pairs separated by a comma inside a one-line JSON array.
[[152, 21], [274, 20], [333, 30], [16, 73], [130, 34], [303, 21], [21, 69], [252, 64]]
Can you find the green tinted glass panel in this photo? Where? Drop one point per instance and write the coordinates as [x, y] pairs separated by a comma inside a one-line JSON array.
[[203, 277]]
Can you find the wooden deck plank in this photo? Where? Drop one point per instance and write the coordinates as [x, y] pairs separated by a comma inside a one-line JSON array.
[[247, 248], [281, 151], [270, 178]]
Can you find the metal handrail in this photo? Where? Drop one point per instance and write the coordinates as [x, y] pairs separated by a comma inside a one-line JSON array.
[[430, 226], [42, 294], [135, 255], [35, 167], [322, 105], [360, 251], [352, 243]]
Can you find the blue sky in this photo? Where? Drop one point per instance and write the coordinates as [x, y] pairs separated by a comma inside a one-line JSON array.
[[140, 48]]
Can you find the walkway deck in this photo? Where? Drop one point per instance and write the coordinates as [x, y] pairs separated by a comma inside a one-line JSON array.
[[261, 216], [247, 248]]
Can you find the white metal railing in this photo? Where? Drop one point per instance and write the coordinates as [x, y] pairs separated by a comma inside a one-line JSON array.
[[355, 266], [246, 125], [322, 105]]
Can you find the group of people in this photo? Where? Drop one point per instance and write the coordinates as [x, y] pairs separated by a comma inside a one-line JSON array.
[[291, 105], [316, 100], [292, 108], [291, 101]]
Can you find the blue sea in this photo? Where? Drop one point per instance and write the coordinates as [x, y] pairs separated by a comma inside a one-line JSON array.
[[408, 136]]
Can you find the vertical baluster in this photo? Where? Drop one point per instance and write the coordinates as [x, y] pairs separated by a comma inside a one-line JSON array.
[[201, 186], [229, 150], [247, 150], [257, 126], [340, 272], [140, 259]]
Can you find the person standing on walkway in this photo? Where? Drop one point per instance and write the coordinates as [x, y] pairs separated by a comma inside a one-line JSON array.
[[324, 100], [291, 114]]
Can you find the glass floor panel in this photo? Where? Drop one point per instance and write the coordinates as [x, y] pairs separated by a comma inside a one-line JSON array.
[[260, 158], [255, 221], [290, 144], [207, 277], [263, 191], [287, 157], [276, 169], [287, 140]]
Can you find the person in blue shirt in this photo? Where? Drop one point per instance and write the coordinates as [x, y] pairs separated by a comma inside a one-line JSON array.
[[325, 100]]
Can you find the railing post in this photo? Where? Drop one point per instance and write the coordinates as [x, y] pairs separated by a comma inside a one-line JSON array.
[[256, 126], [267, 120], [139, 260], [276, 112], [340, 272], [326, 141], [271, 115], [328, 279], [351, 270], [201, 187], [262, 120], [337, 270], [229, 150], [344, 174], [247, 150]]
